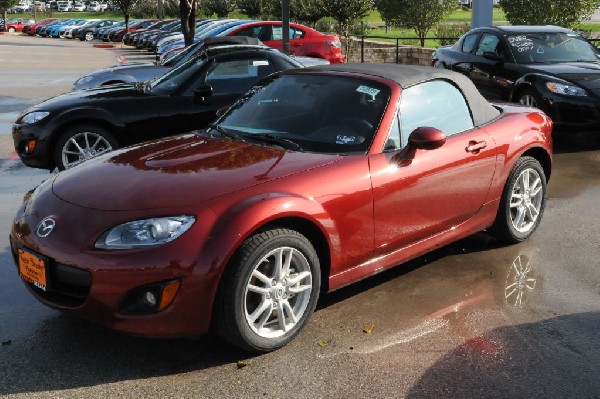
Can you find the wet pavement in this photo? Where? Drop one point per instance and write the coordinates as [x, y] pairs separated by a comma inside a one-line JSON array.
[[473, 319]]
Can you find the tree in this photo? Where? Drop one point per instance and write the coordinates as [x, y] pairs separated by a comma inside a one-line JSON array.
[[567, 13], [222, 8], [421, 15], [5, 5], [387, 10], [252, 8], [188, 10], [126, 7], [307, 11], [345, 12]]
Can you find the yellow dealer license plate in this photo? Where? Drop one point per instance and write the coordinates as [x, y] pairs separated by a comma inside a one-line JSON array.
[[32, 269]]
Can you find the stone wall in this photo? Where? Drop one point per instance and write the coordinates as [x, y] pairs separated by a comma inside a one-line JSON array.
[[386, 52]]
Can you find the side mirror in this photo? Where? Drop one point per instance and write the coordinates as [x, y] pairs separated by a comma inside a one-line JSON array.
[[203, 91], [426, 138], [489, 55]]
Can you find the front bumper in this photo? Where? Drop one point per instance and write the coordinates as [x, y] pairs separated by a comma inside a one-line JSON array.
[[94, 284]]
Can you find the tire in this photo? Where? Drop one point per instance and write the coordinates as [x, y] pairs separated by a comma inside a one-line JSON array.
[[522, 203], [89, 36], [258, 309], [80, 143], [531, 98], [11, 30]]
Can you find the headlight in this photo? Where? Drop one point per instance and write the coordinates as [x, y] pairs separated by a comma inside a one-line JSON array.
[[567, 90], [145, 233], [34, 117]]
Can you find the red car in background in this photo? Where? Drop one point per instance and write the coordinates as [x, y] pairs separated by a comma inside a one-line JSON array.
[[30, 29], [16, 24], [304, 41], [117, 36]]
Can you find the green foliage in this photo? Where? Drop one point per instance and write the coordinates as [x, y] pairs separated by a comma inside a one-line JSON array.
[[566, 13], [345, 12], [220, 8], [144, 9], [449, 33], [252, 8], [387, 10], [421, 15], [307, 11]]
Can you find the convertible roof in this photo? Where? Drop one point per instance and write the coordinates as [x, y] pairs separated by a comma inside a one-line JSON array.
[[410, 75], [225, 40]]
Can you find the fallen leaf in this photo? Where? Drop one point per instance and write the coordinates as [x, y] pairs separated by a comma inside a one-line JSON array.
[[323, 344], [368, 329], [241, 364]]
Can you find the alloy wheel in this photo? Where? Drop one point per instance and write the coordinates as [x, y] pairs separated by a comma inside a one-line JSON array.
[[83, 146], [526, 200]]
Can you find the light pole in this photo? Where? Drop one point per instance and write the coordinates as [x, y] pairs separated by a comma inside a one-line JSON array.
[[482, 13], [285, 17]]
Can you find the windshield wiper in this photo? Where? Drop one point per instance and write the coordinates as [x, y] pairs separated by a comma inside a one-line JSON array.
[[227, 133], [271, 138]]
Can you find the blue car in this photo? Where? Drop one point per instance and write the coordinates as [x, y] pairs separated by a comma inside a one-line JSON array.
[[55, 31]]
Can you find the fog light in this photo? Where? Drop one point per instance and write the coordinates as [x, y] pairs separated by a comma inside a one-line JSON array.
[[30, 146], [149, 298]]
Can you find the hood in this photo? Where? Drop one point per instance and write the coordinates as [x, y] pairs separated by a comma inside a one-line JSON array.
[[131, 69], [94, 96], [585, 74], [178, 171]]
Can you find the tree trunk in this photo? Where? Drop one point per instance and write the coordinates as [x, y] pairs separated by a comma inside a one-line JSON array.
[[188, 9]]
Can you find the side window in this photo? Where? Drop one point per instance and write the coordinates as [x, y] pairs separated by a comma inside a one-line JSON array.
[[393, 141], [253, 31], [489, 43], [294, 33], [469, 42], [438, 104], [238, 76]]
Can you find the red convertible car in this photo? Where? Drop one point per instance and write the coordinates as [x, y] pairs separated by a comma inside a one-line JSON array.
[[16, 24], [313, 180]]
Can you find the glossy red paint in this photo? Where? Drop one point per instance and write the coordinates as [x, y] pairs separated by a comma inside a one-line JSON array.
[[30, 29], [16, 24], [308, 42], [363, 212]]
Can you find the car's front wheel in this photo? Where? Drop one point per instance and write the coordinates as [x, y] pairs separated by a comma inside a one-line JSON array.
[[269, 292], [80, 143], [531, 98], [11, 29], [89, 36], [522, 203]]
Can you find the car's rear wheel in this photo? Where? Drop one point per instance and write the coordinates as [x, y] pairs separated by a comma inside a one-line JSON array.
[[269, 292], [522, 203], [89, 36], [80, 143], [11, 30]]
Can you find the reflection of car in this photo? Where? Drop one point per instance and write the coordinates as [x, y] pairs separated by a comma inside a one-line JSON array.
[[313, 180], [141, 71], [549, 67], [67, 129], [16, 24], [304, 41]]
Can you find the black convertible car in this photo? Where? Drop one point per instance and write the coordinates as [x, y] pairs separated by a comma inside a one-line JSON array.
[[72, 127], [548, 67]]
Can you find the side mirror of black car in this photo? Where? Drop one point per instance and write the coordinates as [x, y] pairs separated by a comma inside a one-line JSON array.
[[489, 55], [203, 91]]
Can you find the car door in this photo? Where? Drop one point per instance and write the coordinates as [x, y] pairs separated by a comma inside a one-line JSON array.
[[418, 194], [488, 69], [229, 75]]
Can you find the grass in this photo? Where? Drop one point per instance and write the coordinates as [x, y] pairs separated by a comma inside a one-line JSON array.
[[86, 15]]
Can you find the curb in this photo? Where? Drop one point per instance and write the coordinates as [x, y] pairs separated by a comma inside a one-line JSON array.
[[101, 45]]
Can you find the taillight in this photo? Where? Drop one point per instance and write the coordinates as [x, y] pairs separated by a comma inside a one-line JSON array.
[[334, 43]]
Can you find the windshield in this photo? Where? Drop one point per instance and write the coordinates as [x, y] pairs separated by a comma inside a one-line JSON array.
[[182, 56], [317, 112], [532, 48], [176, 76]]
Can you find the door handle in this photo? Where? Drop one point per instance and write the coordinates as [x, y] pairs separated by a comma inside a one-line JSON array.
[[476, 146]]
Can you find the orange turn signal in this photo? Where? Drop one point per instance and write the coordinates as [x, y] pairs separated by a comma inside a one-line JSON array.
[[30, 147], [168, 294]]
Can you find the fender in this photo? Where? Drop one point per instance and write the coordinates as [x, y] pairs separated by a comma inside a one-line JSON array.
[[535, 81], [84, 115]]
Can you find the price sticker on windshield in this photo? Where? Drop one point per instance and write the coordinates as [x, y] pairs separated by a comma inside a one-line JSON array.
[[368, 90]]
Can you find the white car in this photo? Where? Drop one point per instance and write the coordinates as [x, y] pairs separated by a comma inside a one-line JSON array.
[[93, 6], [79, 7], [103, 6]]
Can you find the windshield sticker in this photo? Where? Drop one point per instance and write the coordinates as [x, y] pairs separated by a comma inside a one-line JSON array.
[[368, 90], [342, 139], [521, 43], [260, 63]]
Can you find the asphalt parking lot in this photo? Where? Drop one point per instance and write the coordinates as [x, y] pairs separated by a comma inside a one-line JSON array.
[[473, 319]]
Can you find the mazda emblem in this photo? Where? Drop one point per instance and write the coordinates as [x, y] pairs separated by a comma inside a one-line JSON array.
[[45, 227]]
